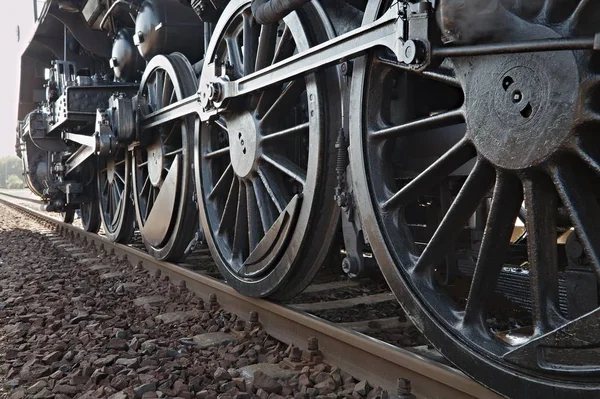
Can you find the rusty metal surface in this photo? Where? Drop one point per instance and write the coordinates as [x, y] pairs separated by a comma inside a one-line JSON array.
[[363, 357]]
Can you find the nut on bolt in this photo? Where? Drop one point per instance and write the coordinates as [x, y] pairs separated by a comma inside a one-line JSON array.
[[214, 91], [403, 389], [252, 322], [212, 302]]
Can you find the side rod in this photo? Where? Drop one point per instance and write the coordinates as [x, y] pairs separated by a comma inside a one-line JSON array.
[[384, 32]]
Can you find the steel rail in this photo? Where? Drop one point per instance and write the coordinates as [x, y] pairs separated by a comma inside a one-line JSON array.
[[365, 358]]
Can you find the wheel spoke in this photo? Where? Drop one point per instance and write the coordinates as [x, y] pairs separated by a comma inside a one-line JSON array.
[[229, 210], [286, 166], [287, 132], [234, 55], [217, 153], [578, 13], [445, 119], [288, 96], [168, 136], [265, 207], [251, 34], [470, 196], [240, 233], [167, 90], [285, 46], [175, 152], [273, 189], [221, 124], [159, 84], [582, 205], [255, 231], [456, 157], [506, 203], [266, 46], [541, 205], [222, 183], [589, 157], [145, 185]]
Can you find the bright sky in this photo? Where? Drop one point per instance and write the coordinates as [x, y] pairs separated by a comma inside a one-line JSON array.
[[19, 13]]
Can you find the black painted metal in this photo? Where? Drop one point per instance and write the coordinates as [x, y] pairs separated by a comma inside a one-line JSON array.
[[167, 26], [162, 163], [114, 195], [518, 141], [266, 168]]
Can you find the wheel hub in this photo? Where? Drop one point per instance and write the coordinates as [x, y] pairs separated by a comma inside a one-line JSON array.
[[520, 109], [156, 162], [243, 142]]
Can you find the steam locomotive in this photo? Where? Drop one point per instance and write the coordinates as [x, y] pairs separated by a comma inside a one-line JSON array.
[[453, 144]]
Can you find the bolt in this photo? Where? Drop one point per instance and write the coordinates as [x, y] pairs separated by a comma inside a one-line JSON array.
[[212, 302], [517, 96], [296, 354], [252, 322], [200, 303], [347, 68], [157, 274], [313, 344], [403, 389], [254, 316], [239, 325]]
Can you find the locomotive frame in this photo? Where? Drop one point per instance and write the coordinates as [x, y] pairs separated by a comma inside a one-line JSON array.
[[454, 140]]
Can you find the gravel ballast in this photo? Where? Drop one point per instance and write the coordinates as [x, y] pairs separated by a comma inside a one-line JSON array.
[[75, 323]]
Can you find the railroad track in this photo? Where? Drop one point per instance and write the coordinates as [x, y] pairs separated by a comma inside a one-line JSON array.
[[348, 345]]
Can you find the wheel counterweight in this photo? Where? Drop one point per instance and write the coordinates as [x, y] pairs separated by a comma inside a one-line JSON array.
[[478, 169], [264, 169]]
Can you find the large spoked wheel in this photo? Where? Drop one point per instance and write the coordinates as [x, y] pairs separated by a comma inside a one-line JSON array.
[[448, 161], [90, 216], [162, 165], [265, 169], [114, 198], [89, 211]]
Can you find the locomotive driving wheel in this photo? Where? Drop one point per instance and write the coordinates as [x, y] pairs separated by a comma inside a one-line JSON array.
[[265, 170], [114, 196], [162, 164], [89, 211], [446, 162]]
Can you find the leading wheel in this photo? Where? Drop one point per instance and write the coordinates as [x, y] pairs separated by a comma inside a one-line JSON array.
[[265, 170], [443, 161], [162, 165]]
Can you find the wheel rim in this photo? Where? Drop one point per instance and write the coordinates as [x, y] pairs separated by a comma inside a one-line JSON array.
[[404, 167], [90, 217], [114, 185], [162, 165], [257, 196]]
